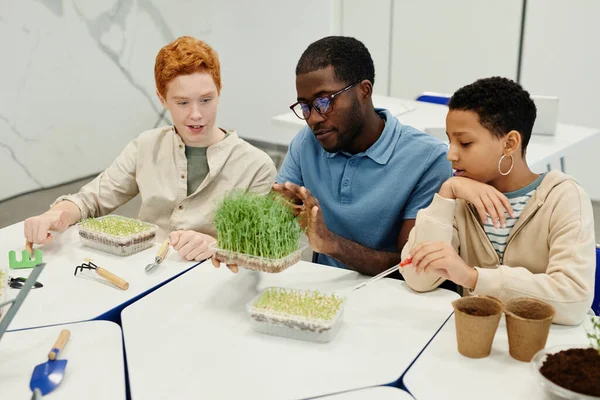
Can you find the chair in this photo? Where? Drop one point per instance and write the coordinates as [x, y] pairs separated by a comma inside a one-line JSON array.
[[436, 98], [596, 302]]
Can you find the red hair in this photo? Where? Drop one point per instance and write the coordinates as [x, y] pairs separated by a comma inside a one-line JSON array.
[[184, 56]]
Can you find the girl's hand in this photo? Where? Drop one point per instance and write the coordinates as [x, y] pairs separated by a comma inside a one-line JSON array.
[[486, 199], [441, 258]]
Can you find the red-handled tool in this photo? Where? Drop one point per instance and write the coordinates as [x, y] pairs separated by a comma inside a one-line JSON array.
[[406, 262], [383, 274]]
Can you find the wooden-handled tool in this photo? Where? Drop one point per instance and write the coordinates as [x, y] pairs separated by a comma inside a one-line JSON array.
[[109, 276], [162, 252], [112, 278], [29, 257], [60, 344], [160, 256], [47, 376], [29, 247]]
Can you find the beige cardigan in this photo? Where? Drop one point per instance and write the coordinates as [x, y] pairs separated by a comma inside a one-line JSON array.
[[154, 165], [550, 252]]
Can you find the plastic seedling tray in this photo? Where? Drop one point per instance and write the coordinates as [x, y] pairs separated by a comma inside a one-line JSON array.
[[117, 235], [257, 263], [297, 314]]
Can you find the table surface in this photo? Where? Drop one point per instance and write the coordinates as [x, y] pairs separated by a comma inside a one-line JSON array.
[[95, 368], [66, 298], [204, 346], [431, 118], [374, 393], [441, 372]]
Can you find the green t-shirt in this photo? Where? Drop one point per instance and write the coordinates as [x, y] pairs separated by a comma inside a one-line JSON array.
[[197, 167], [197, 164]]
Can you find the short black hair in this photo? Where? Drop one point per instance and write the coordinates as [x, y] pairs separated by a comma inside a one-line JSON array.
[[349, 57], [501, 104]]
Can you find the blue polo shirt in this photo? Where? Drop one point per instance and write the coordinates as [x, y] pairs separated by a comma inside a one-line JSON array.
[[365, 197]]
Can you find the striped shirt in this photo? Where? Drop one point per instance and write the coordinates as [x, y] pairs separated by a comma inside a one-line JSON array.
[[518, 200]]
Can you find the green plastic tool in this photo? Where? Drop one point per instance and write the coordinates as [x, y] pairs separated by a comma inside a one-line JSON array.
[[26, 260]]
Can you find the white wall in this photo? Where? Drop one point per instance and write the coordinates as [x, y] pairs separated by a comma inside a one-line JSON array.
[[435, 45], [259, 44], [562, 58], [77, 76], [438, 45], [72, 90], [371, 23], [442, 45]]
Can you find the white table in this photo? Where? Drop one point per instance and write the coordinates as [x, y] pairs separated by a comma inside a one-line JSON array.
[[375, 393], [204, 346], [441, 372], [67, 298], [95, 368], [542, 151]]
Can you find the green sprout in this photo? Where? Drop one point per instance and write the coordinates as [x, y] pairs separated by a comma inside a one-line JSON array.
[[263, 226], [594, 334], [116, 225], [310, 304]]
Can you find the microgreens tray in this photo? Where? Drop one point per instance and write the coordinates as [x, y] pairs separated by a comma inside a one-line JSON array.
[[117, 235], [257, 263], [298, 314]]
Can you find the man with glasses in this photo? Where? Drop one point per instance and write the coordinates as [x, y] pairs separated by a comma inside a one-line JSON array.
[[358, 174]]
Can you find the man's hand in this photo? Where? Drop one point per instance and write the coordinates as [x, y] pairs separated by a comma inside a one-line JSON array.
[[192, 245], [321, 239], [355, 255], [440, 258], [486, 199], [288, 190]]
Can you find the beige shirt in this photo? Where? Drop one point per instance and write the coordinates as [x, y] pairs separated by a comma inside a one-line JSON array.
[[550, 253], [155, 166]]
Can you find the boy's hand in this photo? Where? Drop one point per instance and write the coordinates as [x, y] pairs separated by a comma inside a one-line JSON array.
[[232, 267], [191, 245], [441, 258], [37, 229], [486, 199]]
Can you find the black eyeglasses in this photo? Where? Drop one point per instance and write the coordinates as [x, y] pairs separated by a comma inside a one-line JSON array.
[[323, 104]]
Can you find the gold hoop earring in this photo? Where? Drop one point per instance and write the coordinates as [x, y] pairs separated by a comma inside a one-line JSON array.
[[512, 164]]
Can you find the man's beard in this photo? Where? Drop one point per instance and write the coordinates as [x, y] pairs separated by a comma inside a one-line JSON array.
[[355, 126]]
